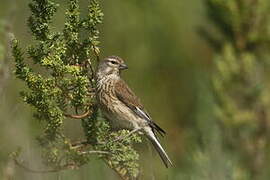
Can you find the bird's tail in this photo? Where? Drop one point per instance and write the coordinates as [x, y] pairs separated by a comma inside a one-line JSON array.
[[163, 155]]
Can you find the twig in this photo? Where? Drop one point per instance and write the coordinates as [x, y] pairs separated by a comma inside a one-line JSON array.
[[81, 116], [91, 91], [96, 51], [79, 143], [95, 152], [92, 72]]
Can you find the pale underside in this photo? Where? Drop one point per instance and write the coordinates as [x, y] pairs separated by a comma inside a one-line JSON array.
[[119, 115]]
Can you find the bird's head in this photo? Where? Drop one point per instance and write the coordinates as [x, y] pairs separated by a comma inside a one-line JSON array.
[[111, 65]]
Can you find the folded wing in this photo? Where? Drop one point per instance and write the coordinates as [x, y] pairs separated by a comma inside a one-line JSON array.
[[125, 95]]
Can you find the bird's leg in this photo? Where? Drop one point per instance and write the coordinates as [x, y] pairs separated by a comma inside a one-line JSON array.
[[129, 134]]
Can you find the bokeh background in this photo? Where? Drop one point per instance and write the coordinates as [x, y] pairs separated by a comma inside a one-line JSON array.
[[170, 69]]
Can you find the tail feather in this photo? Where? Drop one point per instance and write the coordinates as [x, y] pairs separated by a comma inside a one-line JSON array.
[[158, 129], [163, 155]]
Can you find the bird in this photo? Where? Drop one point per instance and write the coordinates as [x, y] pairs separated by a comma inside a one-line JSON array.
[[121, 107]]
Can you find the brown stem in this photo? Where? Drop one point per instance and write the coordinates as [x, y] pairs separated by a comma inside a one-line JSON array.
[[81, 116], [95, 152], [91, 90], [79, 143]]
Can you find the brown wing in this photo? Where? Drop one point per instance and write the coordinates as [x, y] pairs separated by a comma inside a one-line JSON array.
[[125, 95]]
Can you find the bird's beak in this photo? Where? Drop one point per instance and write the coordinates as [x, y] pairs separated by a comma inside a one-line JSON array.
[[123, 66]]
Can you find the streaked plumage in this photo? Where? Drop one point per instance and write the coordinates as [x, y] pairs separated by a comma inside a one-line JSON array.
[[121, 106]]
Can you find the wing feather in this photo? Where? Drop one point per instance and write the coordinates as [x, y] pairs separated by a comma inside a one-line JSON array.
[[125, 95]]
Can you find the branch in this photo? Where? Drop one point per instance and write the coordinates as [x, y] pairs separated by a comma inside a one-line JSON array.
[[95, 152], [96, 51], [92, 72], [81, 116], [79, 143]]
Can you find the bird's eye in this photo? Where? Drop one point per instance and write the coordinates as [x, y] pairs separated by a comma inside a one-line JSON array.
[[113, 62]]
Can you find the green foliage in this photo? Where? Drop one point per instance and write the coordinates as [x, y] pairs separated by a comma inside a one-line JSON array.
[[123, 157], [63, 88], [240, 81], [41, 17], [242, 22]]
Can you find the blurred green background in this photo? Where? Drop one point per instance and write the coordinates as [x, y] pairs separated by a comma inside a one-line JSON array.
[[169, 69]]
